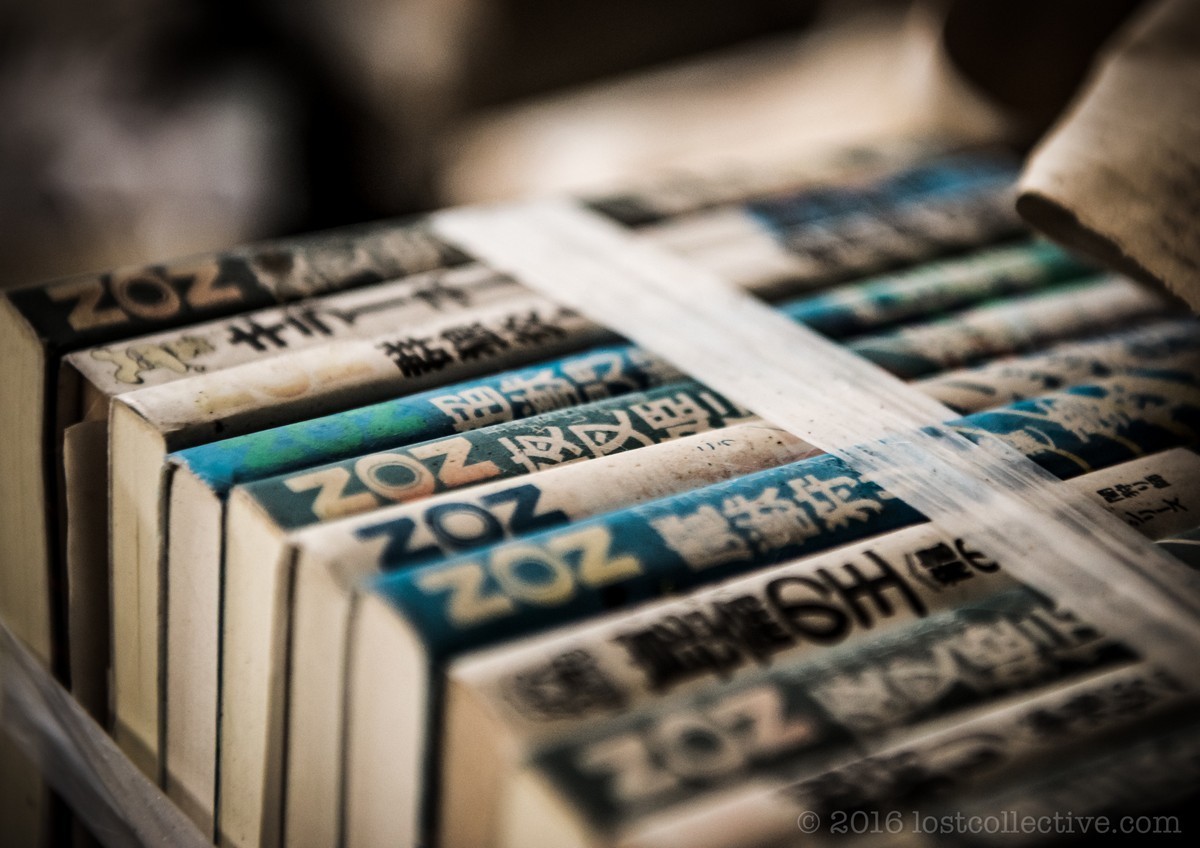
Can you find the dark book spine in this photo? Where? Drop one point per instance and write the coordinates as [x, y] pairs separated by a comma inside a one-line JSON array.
[[83, 311]]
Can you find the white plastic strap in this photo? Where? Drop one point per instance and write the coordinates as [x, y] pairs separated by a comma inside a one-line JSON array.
[[890, 433]]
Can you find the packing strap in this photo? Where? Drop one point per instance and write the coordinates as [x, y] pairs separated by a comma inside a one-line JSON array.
[[1057, 542]]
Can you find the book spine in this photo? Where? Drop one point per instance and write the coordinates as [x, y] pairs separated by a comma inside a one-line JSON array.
[[1011, 379], [164, 357], [793, 611], [924, 182], [892, 789], [350, 372], [47, 321], [498, 452], [517, 448], [796, 244], [488, 512], [934, 287], [1020, 324], [804, 718], [569, 381], [721, 530], [685, 195], [99, 309], [92, 310], [928, 216], [509, 397], [965, 755], [415, 534]]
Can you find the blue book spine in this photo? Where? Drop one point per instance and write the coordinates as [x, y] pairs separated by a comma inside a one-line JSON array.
[[516, 448], [608, 372], [581, 378], [935, 287], [947, 175], [440, 527], [502, 451], [709, 534]]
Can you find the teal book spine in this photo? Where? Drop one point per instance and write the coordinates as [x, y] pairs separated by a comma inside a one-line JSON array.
[[502, 451], [926, 182], [515, 448], [942, 206], [429, 530], [563, 575], [603, 373], [511, 395], [536, 582]]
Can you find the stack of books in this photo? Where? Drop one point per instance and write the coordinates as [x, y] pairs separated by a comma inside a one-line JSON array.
[[352, 540]]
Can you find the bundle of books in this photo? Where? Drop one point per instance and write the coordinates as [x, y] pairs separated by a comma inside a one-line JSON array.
[[352, 540]]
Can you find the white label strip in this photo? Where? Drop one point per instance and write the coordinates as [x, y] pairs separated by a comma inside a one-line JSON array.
[[1060, 544]]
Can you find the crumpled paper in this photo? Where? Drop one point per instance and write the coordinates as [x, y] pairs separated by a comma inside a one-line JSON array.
[[1118, 177]]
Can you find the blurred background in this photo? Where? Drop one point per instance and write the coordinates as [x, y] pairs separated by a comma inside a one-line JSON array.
[[138, 130]]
